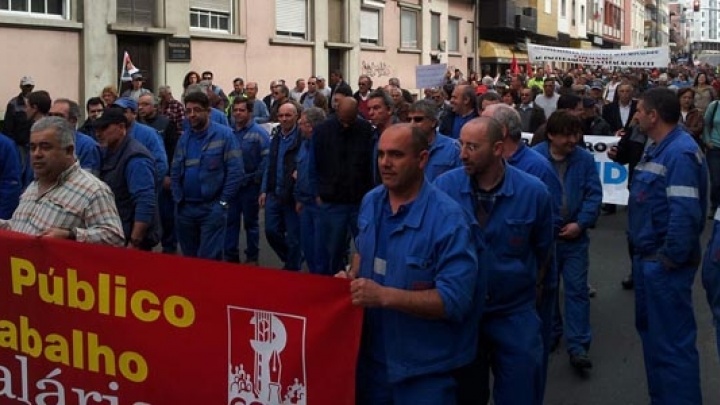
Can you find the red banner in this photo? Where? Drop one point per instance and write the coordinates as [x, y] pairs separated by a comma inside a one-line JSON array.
[[83, 324]]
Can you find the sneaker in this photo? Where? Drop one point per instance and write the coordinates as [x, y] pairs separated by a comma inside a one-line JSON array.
[[580, 361]]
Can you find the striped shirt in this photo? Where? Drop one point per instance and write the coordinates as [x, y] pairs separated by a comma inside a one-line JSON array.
[[78, 201]]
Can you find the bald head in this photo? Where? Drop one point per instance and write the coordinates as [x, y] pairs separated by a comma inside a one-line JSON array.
[[347, 110]]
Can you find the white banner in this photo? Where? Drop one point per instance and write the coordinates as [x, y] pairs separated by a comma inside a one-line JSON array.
[[637, 58], [429, 76], [613, 176]]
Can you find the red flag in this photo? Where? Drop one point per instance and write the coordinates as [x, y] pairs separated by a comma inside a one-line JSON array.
[[514, 68]]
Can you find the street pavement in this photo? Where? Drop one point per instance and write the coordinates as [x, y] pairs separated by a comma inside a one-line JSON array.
[[618, 373]]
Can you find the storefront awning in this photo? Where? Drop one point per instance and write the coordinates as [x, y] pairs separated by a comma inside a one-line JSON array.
[[497, 53]]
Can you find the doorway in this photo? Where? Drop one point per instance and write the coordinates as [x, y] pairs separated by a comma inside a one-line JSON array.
[[142, 53]]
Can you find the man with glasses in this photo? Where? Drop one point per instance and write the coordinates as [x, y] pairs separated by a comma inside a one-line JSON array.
[[94, 108], [205, 176], [208, 77], [243, 208], [444, 152], [307, 100], [137, 89], [532, 116], [514, 211], [363, 94]]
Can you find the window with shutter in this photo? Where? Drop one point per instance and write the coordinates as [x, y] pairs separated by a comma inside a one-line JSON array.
[[136, 12], [291, 18], [212, 15], [454, 35], [435, 31], [408, 29], [370, 26]]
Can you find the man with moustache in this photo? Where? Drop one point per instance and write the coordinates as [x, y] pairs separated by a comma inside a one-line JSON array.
[[64, 201]]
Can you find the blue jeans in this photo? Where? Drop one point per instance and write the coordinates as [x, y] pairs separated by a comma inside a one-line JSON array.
[[665, 321], [282, 230], [201, 229], [310, 240], [337, 222], [572, 261], [711, 283], [244, 208], [713, 162], [168, 239]]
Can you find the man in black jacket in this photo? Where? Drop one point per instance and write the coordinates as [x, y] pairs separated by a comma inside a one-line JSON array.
[[620, 113], [343, 148]]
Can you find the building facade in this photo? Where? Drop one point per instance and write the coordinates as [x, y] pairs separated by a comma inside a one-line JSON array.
[[73, 48]]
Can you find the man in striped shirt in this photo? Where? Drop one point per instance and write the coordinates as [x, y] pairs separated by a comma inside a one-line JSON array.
[[64, 201]]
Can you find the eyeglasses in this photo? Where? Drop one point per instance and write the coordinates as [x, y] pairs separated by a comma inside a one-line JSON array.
[[416, 119], [363, 84], [470, 147], [194, 110]]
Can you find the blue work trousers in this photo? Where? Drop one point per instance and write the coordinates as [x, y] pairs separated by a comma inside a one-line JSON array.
[[310, 239], [168, 239], [713, 162], [201, 229], [665, 321], [282, 230], [711, 283], [373, 388], [546, 311], [244, 210], [337, 223], [511, 346], [572, 262]]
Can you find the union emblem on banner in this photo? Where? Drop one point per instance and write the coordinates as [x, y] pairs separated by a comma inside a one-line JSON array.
[[266, 354]]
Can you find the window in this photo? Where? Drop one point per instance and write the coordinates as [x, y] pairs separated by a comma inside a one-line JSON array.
[[291, 18], [370, 26], [563, 6], [408, 29], [136, 12], [548, 6], [453, 35], [435, 32], [49, 8], [209, 20], [582, 14]]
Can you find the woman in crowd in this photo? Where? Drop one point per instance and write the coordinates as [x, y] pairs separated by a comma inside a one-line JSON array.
[[690, 116], [109, 94], [704, 93], [191, 77]]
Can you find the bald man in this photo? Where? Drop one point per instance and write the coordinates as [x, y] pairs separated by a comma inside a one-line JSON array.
[[343, 154]]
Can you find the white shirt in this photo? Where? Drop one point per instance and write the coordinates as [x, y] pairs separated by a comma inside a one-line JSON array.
[[548, 104], [624, 113]]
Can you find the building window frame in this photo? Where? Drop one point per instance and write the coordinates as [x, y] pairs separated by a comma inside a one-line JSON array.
[[211, 21], [414, 42], [563, 8], [368, 39], [287, 29], [435, 40], [29, 8]]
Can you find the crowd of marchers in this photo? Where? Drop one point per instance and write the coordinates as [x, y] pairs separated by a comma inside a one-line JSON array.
[[453, 232]]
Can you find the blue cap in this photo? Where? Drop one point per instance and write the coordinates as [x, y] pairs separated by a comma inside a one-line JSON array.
[[126, 102]]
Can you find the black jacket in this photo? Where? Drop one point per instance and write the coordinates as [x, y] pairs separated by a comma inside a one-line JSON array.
[[289, 165], [611, 114]]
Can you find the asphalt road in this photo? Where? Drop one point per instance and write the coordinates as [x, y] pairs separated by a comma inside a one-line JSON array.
[[618, 375]]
